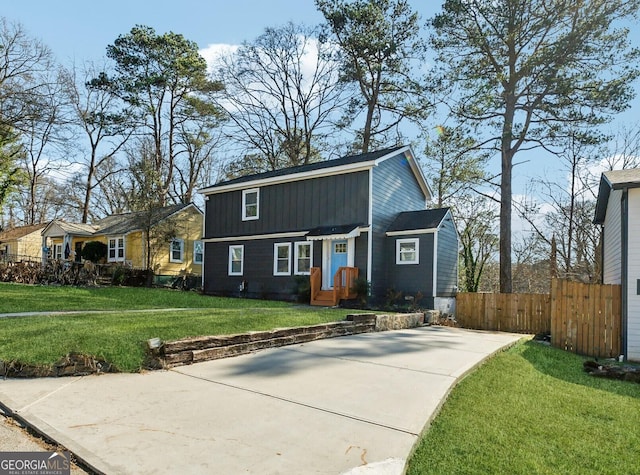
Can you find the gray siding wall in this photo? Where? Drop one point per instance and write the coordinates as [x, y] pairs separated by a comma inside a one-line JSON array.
[[411, 278], [447, 282], [395, 189], [257, 271], [299, 205]]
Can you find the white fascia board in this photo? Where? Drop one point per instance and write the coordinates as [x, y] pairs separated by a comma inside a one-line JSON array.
[[257, 237], [340, 170], [412, 231]]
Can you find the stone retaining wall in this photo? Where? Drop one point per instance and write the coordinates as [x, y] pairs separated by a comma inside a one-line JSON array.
[[192, 350]]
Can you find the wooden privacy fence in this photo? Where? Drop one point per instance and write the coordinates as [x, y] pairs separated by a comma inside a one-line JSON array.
[[586, 318], [517, 313], [582, 318]]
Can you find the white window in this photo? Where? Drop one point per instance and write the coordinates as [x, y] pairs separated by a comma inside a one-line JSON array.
[[116, 249], [198, 252], [236, 260], [282, 259], [57, 251], [250, 204], [407, 251], [176, 251], [302, 258]]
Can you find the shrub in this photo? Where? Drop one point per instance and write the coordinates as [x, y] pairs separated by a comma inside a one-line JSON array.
[[94, 251]]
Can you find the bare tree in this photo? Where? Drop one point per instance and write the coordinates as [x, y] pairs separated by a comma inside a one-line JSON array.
[[282, 96]]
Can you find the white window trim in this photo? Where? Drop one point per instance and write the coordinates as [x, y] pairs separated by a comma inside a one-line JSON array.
[[244, 204], [116, 248], [297, 245], [276, 246], [231, 249], [171, 250], [195, 254], [416, 243], [57, 251]]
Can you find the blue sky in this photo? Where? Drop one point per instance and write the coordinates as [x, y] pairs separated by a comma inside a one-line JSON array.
[[77, 31]]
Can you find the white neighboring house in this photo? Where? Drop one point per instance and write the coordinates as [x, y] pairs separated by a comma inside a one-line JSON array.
[[618, 212]]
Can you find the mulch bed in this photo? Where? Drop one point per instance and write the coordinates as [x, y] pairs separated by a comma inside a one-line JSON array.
[[620, 372]]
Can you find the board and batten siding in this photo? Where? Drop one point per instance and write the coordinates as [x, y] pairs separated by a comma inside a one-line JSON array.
[[298, 205], [394, 189], [633, 275], [412, 278], [447, 265], [612, 265]]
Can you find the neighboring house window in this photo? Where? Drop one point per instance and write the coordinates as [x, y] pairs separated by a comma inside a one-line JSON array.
[[282, 259], [198, 252], [57, 251], [250, 204], [177, 250], [407, 251], [236, 260], [302, 258], [116, 249]]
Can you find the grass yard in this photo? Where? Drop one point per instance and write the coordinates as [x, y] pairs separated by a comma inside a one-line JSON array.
[[532, 410], [118, 335]]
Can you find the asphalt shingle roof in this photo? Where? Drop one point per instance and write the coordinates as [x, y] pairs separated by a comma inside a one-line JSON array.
[[338, 162], [414, 220], [136, 221], [19, 231]]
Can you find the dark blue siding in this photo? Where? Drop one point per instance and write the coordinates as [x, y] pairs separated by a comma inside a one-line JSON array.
[[257, 271], [447, 282], [299, 205], [395, 189], [411, 278]]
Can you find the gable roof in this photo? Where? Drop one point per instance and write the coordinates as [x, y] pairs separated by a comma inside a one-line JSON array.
[[418, 220], [20, 231], [345, 164], [118, 224], [137, 221], [614, 180]]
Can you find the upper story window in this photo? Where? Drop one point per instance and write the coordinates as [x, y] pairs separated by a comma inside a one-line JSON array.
[[115, 251], [177, 250], [198, 252], [250, 204], [407, 251]]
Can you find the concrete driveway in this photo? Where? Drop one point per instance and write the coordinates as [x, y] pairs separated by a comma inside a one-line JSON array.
[[352, 404]]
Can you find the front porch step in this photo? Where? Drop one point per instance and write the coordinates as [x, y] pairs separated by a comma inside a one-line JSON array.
[[324, 299]]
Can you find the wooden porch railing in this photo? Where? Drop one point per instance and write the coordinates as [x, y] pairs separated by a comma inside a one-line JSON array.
[[343, 282]]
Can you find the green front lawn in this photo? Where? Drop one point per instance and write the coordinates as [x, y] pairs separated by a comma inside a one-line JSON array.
[[119, 336], [532, 410]]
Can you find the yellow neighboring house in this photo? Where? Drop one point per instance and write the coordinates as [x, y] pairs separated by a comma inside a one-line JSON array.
[[22, 243], [168, 240]]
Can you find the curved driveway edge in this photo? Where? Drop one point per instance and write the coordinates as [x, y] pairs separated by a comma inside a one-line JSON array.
[[328, 406]]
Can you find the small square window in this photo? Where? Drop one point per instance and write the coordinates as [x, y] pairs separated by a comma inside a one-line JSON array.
[[250, 204], [407, 251]]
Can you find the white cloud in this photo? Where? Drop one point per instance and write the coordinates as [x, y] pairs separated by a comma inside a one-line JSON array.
[[214, 51]]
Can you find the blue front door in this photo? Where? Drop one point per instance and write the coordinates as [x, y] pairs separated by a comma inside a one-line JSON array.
[[338, 256]]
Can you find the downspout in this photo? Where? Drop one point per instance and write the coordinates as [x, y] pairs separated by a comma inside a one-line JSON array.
[[624, 230], [371, 230]]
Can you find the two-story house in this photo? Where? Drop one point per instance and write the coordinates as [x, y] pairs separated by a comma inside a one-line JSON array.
[[360, 216]]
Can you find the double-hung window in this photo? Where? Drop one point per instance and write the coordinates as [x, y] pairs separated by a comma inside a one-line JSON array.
[[302, 258], [236, 260], [282, 259], [176, 252], [407, 251], [115, 250], [250, 204], [198, 252], [57, 251]]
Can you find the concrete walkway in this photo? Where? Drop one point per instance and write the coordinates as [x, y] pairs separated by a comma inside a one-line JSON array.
[[353, 404]]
